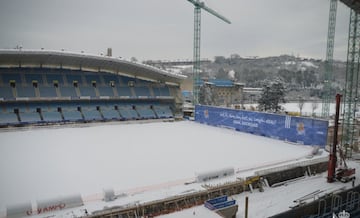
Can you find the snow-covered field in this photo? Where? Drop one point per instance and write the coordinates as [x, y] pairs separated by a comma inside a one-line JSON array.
[[43, 163]]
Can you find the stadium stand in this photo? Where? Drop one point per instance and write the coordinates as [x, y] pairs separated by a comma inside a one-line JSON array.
[[68, 91], [163, 111], [54, 79], [124, 92], [47, 91], [91, 112], [142, 91], [28, 114], [145, 111], [6, 92], [25, 91], [38, 90], [110, 112], [8, 116], [128, 112]]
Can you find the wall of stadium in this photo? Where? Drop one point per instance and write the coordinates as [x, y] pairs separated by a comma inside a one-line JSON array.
[[300, 130]]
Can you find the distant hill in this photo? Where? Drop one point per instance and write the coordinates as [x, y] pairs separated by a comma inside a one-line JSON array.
[[301, 76]]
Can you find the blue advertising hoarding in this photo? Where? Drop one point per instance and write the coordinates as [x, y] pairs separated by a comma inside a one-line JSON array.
[[300, 130]]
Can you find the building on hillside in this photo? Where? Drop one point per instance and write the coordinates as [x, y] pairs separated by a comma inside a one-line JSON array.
[[221, 92]]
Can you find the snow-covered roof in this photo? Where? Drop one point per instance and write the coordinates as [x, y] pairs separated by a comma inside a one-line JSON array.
[[65, 59]]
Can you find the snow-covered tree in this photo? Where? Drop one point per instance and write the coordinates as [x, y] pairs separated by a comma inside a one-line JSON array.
[[273, 94]]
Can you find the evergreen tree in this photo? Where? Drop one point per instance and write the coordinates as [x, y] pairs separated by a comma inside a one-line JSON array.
[[273, 94]]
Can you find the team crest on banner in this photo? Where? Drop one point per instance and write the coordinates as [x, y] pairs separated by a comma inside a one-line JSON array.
[[300, 128], [206, 114]]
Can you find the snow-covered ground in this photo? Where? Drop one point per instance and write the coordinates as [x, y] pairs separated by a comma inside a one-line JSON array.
[[275, 200], [138, 159]]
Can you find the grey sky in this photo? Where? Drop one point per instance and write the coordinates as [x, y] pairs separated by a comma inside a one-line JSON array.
[[163, 29]]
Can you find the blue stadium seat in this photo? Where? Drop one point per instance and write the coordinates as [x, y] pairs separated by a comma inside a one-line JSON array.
[[25, 91], [128, 112], [71, 78], [124, 91], [47, 91], [163, 111], [110, 114], [92, 78], [29, 117], [87, 91], [145, 112], [164, 91], [142, 91], [106, 91], [7, 77], [109, 77], [6, 92], [125, 80], [8, 118], [72, 115], [156, 91], [54, 77], [51, 116], [91, 114], [29, 77], [67, 91]]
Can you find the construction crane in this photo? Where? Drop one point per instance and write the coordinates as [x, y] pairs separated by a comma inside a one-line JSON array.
[[351, 83], [197, 25], [329, 59]]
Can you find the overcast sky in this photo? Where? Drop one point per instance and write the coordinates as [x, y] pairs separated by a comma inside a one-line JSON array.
[[163, 29]]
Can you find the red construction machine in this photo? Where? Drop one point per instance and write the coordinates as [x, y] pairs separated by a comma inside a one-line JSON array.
[[343, 173]]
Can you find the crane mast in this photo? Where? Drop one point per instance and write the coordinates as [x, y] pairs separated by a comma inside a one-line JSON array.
[[329, 59], [197, 36]]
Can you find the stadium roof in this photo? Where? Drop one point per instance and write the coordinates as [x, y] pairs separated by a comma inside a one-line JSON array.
[[353, 4], [68, 60]]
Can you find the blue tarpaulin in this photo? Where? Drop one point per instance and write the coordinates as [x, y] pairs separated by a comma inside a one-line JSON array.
[[283, 127]]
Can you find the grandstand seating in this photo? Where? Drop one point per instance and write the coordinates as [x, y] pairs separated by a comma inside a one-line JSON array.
[[68, 91], [51, 78], [72, 112], [33, 77], [161, 91], [51, 116], [6, 92], [47, 91], [90, 78], [8, 119], [7, 77], [128, 112], [87, 91], [163, 111], [110, 78], [41, 96], [110, 112], [106, 91], [28, 114], [124, 91], [71, 78], [142, 91], [145, 112], [25, 91], [91, 113]]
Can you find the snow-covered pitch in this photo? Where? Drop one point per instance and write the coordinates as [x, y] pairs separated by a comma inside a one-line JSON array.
[[41, 163]]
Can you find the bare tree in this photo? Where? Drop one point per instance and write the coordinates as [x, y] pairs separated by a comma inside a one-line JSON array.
[[314, 106], [301, 104]]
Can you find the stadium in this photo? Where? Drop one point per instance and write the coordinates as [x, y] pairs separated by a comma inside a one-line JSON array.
[[87, 135]]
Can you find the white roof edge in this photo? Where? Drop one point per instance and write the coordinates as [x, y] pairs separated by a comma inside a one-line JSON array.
[[88, 55]]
